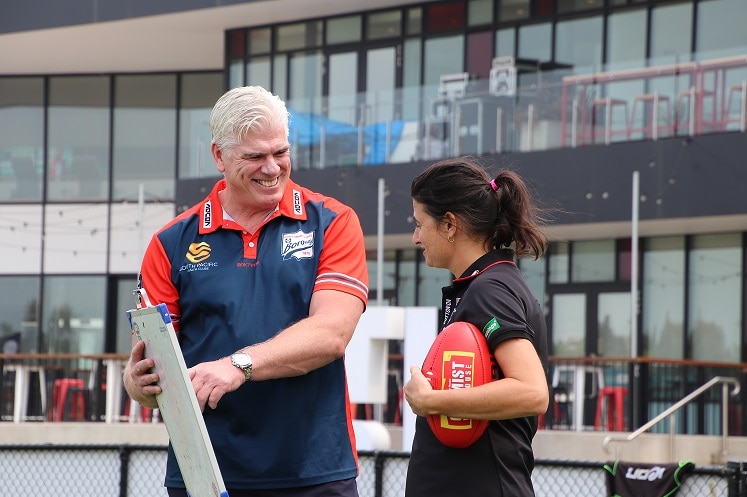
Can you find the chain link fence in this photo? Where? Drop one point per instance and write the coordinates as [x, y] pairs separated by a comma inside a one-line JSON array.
[[137, 471]]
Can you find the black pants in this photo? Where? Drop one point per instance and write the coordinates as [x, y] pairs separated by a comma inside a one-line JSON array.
[[343, 488]]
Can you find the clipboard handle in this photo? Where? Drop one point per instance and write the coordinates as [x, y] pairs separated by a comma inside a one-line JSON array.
[[141, 298]]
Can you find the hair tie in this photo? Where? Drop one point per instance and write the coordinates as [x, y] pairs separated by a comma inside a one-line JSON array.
[[493, 185]]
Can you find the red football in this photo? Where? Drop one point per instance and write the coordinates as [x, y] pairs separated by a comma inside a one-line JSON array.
[[458, 358]]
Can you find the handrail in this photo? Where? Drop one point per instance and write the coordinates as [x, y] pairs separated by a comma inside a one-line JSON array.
[[724, 380]]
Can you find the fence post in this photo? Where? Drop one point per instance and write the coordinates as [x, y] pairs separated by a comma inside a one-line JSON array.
[[124, 466], [738, 483]]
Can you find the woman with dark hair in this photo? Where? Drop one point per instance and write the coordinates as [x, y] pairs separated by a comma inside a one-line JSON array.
[[476, 226]]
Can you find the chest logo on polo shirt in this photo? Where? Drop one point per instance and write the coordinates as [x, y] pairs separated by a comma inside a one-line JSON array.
[[198, 252], [299, 245]]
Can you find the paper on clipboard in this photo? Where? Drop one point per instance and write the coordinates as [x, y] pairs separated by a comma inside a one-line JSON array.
[[177, 402]]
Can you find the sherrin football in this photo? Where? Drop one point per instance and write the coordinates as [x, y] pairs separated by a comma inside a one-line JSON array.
[[458, 358]]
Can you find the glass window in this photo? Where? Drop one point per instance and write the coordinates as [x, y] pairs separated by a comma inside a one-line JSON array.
[[236, 74], [593, 260], [414, 21], [131, 231], [76, 238], [344, 29], [671, 28], [144, 148], [21, 233], [480, 12], [535, 273], [388, 275], [260, 41], [19, 311], [715, 297], [511, 10], [301, 35], [73, 314], [626, 37], [431, 281], [445, 17], [569, 325], [613, 324], [236, 44], [720, 27], [663, 297], [280, 76], [78, 127], [480, 54], [411, 79], [125, 302], [443, 56], [406, 279], [559, 262], [21, 138], [306, 81], [384, 25], [505, 42], [198, 95], [579, 42], [258, 72], [566, 6], [535, 42], [380, 85], [343, 84]]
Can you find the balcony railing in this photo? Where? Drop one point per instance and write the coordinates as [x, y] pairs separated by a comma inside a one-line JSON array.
[[540, 109]]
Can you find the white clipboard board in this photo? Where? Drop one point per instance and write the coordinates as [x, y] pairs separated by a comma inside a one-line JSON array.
[[177, 403]]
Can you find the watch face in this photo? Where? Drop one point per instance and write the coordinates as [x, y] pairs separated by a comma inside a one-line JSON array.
[[241, 360]]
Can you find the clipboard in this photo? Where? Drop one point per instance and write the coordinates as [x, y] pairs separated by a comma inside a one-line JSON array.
[[177, 403]]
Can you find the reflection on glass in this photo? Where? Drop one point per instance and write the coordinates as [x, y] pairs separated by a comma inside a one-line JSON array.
[[720, 26], [21, 138], [671, 32], [626, 38], [73, 314], [125, 302], [715, 297], [579, 42], [479, 12], [569, 325], [535, 272], [593, 260], [344, 29], [78, 127], [443, 56], [384, 24], [663, 297], [613, 321], [144, 137], [559, 262], [19, 312], [260, 41], [535, 42], [198, 95]]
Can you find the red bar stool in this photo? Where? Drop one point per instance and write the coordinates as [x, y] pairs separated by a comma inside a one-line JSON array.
[[612, 403], [68, 400]]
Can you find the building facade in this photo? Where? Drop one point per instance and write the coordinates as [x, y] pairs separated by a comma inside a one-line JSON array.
[[627, 117]]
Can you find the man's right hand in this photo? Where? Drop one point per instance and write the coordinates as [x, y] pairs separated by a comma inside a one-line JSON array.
[[140, 382]]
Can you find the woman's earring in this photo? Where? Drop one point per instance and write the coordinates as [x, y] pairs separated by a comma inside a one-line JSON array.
[[450, 239]]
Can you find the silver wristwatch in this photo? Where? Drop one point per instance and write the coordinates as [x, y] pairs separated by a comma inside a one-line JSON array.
[[242, 361]]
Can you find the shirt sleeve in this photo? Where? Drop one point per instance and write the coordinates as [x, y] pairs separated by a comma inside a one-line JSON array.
[[342, 263], [155, 278]]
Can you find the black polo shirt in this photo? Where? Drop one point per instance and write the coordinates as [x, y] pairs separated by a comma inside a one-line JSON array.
[[493, 295]]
